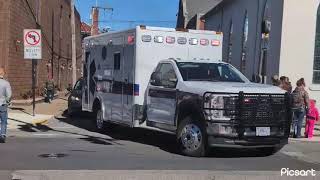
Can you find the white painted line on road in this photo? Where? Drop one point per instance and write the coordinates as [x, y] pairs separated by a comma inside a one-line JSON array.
[[63, 128], [45, 134]]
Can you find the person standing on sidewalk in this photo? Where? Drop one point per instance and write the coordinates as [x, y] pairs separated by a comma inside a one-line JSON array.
[[300, 106], [312, 117], [5, 97]]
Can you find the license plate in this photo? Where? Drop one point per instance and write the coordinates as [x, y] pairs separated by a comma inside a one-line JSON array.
[[263, 131]]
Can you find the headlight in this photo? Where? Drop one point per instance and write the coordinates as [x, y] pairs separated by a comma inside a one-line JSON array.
[[215, 107], [74, 98]]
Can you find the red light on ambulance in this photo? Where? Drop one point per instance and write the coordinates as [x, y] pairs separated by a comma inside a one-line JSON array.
[[215, 43], [204, 42], [170, 40]]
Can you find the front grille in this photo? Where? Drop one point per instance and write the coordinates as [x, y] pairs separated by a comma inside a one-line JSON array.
[[252, 109], [248, 111], [262, 109]]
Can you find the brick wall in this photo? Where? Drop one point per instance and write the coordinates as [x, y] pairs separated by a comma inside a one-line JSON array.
[[4, 30], [54, 18]]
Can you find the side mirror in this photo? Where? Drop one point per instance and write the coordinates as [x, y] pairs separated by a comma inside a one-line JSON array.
[[156, 78], [69, 89]]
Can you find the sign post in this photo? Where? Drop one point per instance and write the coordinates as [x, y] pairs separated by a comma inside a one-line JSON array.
[[33, 50]]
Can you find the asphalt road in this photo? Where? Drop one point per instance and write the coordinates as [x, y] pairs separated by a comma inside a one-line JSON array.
[[79, 147]]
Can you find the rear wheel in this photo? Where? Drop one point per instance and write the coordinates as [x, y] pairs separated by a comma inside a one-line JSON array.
[[192, 137]]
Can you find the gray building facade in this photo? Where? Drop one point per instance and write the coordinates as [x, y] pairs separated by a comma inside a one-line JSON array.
[[263, 38], [252, 35]]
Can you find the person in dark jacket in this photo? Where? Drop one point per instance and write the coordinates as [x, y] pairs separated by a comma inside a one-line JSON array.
[[300, 105]]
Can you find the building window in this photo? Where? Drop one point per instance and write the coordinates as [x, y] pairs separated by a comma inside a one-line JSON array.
[[316, 65], [230, 43], [117, 61], [244, 44], [104, 53]]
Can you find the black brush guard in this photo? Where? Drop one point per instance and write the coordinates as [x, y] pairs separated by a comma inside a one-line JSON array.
[[252, 110]]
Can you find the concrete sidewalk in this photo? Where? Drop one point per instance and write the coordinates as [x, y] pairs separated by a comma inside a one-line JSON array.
[[22, 115], [154, 175], [315, 138], [16, 120]]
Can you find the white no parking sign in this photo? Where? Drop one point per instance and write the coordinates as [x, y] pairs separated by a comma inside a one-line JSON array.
[[32, 44]]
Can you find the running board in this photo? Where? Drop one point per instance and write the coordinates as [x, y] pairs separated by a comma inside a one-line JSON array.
[[144, 126]]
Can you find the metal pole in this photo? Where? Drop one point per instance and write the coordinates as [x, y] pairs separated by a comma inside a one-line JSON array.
[[74, 48], [34, 63], [52, 52]]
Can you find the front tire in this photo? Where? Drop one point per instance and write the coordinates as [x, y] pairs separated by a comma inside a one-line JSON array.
[[192, 137], [100, 124], [70, 112]]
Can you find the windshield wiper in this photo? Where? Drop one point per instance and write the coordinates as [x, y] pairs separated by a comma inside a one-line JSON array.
[[209, 80]]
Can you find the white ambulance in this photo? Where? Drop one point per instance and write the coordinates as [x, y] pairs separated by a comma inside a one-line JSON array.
[[174, 81]]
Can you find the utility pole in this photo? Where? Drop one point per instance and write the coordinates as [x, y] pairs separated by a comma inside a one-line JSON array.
[[74, 45]]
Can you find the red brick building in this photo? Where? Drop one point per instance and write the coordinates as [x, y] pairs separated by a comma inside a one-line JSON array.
[[54, 18]]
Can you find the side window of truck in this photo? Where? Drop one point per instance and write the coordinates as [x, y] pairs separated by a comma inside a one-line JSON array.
[[116, 61], [168, 75]]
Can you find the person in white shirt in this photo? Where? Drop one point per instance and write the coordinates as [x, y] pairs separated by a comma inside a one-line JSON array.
[[5, 97]]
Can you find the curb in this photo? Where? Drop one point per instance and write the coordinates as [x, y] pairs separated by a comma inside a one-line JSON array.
[[303, 140]]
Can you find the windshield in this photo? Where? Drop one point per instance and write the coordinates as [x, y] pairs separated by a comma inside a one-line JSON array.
[[220, 72]]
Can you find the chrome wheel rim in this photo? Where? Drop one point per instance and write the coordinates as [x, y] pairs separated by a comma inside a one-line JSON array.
[[99, 120], [191, 137]]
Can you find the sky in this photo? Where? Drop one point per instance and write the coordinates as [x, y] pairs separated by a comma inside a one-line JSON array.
[[130, 13]]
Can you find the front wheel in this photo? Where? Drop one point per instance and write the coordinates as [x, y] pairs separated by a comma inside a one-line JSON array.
[[192, 137], [100, 124]]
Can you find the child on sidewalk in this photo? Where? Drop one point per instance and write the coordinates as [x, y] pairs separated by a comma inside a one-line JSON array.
[[312, 116]]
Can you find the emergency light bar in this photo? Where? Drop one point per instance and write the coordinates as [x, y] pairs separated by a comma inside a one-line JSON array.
[[180, 40]]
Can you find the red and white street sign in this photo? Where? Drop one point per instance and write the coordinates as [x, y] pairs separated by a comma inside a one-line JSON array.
[[32, 44]]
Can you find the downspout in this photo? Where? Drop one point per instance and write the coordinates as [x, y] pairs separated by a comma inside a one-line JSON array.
[[255, 44]]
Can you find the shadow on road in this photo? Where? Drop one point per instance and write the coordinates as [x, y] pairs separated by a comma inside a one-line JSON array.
[[163, 141], [28, 127], [13, 108], [85, 121]]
